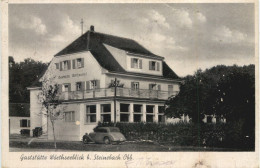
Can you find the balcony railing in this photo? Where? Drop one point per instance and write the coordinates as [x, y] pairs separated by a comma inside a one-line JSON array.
[[120, 92]]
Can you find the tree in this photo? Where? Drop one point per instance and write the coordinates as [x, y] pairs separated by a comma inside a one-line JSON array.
[[235, 98], [199, 93], [22, 75], [50, 103]]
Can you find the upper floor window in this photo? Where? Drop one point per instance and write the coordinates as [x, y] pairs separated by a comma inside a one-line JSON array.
[[57, 65], [93, 84], [135, 85], [79, 86], [153, 65], [154, 87], [66, 65], [136, 63], [78, 63], [66, 87]]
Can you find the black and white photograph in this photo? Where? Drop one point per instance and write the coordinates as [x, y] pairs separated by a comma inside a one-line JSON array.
[[131, 77]]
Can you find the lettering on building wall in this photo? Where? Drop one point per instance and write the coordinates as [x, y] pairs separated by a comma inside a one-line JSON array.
[[78, 75], [73, 75]]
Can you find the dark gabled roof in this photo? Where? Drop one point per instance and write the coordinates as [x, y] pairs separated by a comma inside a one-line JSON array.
[[104, 57], [126, 44], [168, 72]]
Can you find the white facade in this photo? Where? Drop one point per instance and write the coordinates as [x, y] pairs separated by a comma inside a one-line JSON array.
[[88, 98]]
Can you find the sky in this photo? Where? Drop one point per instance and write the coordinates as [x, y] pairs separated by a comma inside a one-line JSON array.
[[189, 36]]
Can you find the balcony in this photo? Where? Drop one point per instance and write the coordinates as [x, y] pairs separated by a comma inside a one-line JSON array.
[[121, 92]]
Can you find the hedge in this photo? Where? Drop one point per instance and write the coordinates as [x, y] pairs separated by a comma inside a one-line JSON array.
[[187, 134]]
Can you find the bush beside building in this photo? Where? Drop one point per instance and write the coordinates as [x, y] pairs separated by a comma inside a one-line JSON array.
[[223, 135]]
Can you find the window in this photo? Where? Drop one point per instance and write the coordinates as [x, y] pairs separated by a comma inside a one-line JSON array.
[[170, 90], [91, 114], [135, 85], [78, 86], [138, 115], [124, 112], [66, 87], [93, 84], [136, 63], [66, 65], [79, 62], [152, 86], [152, 65], [24, 123], [57, 65], [149, 113], [69, 116], [105, 112], [161, 117]]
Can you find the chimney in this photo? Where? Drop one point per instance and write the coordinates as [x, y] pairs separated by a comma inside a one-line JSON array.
[[92, 28]]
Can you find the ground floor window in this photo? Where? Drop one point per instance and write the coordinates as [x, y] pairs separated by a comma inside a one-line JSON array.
[[24, 123], [161, 117], [105, 113], [124, 112], [69, 116], [138, 112], [149, 113], [91, 114]]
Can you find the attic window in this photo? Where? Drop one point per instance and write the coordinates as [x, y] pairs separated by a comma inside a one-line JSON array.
[[136, 63], [153, 65]]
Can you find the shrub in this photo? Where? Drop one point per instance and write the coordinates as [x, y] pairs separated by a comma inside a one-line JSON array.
[[187, 134]]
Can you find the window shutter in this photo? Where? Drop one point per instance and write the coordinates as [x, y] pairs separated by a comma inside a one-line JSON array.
[[140, 64], [132, 85], [69, 64], [88, 86], [132, 63], [69, 87], [98, 84], [21, 124], [150, 86], [159, 87], [150, 65], [74, 64], [82, 62], [82, 86], [158, 66], [60, 66], [29, 123]]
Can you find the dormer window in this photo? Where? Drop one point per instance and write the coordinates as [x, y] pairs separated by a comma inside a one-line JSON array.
[[154, 66], [136, 63]]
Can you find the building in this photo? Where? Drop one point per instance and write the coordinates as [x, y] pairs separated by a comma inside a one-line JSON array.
[[87, 71], [19, 117]]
